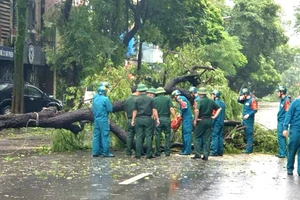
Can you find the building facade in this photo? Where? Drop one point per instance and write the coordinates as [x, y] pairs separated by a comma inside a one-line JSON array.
[[36, 71]]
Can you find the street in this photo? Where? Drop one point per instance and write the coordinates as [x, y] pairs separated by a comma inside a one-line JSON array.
[[79, 176]]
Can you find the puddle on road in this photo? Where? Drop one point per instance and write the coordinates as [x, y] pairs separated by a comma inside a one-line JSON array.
[[78, 176]]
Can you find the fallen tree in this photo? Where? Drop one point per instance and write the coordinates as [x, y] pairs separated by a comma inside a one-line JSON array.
[[74, 121]]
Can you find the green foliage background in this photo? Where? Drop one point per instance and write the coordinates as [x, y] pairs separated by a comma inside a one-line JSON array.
[[246, 50]]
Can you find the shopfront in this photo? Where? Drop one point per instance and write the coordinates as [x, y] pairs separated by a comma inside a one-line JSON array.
[[36, 71]]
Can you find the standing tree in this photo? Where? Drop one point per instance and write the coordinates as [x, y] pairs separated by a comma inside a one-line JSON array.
[[257, 25], [18, 91]]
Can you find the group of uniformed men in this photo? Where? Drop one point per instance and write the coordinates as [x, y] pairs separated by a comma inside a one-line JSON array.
[[148, 113]]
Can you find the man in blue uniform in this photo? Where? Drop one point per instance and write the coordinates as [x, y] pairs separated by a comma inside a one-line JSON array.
[[283, 108], [218, 126], [101, 108], [292, 118], [194, 95], [249, 109], [187, 121]]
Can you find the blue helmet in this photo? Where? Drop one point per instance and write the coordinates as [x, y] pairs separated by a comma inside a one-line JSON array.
[[216, 92], [282, 89], [102, 90], [175, 93], [105, 84], [192, 89], [245, 91]]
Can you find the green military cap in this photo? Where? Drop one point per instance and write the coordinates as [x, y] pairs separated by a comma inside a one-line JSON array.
[[151, 90], [141, 87], [160, 90], [202, 90]]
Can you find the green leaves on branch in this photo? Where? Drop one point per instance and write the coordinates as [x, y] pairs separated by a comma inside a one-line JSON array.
[[257, 25], [225, 55]]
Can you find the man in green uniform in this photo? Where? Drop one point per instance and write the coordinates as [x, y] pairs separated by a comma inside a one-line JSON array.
[[144, 108], [164, 108], [128, 108], [203, 122], [151, 93]]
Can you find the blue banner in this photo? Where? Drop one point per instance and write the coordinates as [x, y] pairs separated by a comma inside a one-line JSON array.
[[6, 53]]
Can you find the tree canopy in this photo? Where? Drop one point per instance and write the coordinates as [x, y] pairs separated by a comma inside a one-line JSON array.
[[246, 41], [258, 27]]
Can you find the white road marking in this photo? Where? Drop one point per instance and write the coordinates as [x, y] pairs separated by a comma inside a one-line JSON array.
[[135, 178]]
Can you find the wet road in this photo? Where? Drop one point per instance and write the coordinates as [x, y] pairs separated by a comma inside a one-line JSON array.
[[78, 176], [267, 114]]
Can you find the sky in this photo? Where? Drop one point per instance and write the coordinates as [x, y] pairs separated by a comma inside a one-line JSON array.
[[287, 17]]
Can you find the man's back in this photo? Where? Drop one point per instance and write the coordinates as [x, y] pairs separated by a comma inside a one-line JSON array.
[[144, 105], [221, 116], [163, 105], [101, 107], [206, 106], [129, 105]]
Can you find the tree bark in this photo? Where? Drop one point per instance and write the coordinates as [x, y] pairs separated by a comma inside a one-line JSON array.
[[49, 118], [18, 90]]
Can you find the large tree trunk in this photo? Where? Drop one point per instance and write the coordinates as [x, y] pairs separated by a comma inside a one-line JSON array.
[[50, 119]]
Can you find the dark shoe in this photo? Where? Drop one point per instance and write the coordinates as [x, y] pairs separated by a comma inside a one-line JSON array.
[[221, 154], [204, 158], [246, 152], [150, 157], [280, 156], [157, 154], [184, 154], [167, 154], [110, 155], [195, 157], [95, 156], [290, 173]]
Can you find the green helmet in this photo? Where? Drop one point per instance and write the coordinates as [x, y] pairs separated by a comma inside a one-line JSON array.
[[160, 90], [175, 93], [202, 90], [151, 90], [245, 91], [192, 89], [216, 92], [282, 89], [141, 87]]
